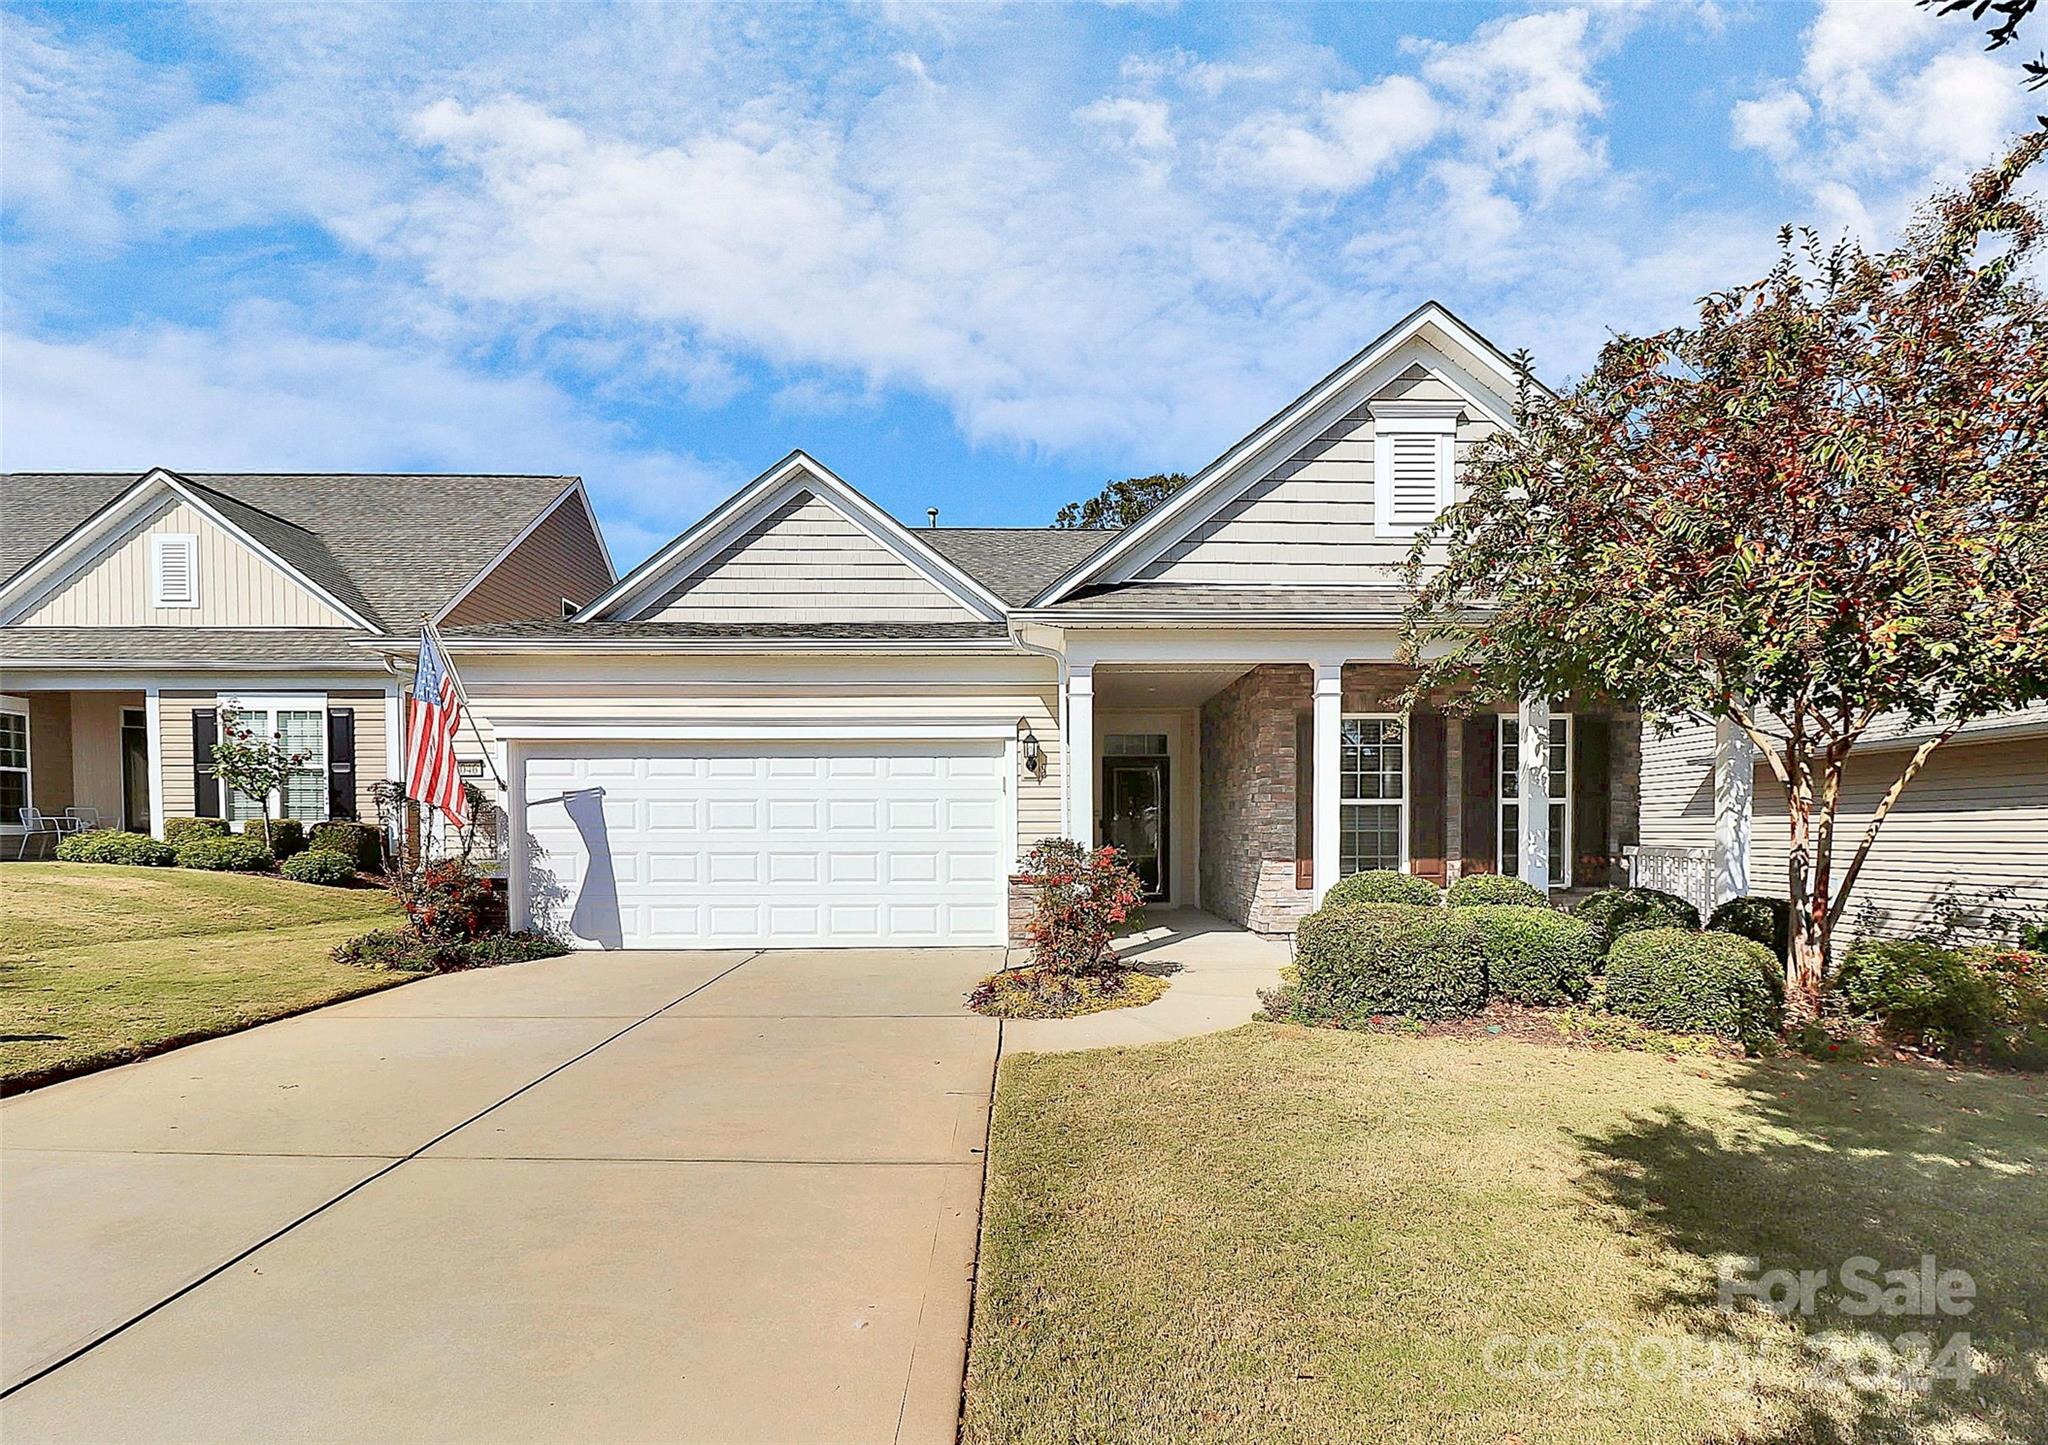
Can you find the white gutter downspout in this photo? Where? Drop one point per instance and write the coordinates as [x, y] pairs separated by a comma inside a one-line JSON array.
[[1066, 751]]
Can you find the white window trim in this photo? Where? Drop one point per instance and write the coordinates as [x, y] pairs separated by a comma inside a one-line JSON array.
[[1391, 419], [1407, 783], [1502, 802], [159, 543], [269, 704], [17, 705]]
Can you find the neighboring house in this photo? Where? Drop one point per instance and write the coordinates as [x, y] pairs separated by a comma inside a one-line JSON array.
[[133, 607], [1969, 835], [804, 723]]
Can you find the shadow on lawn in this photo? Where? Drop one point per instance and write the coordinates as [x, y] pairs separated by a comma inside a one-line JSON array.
[[1827, 1163]]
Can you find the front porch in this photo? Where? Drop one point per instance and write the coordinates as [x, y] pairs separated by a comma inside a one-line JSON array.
[[1248, 789], [86, 752]]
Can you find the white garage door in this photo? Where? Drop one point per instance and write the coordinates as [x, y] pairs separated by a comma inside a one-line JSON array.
[[808, 844]]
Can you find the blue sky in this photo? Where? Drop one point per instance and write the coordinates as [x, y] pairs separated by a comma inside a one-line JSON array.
[[970, 257]]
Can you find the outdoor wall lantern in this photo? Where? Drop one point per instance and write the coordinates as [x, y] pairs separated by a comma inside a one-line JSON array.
[[1034, 755]]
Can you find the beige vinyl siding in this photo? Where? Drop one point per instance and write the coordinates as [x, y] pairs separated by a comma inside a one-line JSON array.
[[237, 588], [807, 563], [1678, 786], [559, 559], [1311, 519], [174, 712]]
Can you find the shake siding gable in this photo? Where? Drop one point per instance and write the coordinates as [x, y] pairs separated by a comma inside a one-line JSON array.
[[808, 563], [559, 558]]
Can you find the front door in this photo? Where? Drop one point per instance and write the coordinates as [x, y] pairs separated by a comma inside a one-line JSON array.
[[1134, 816], [135, 770]]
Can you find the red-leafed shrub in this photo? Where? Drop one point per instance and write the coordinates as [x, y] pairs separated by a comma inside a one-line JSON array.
[[1083, 895], [445, 900]]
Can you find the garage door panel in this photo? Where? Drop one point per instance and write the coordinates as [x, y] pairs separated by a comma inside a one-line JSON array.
[[824, 844]]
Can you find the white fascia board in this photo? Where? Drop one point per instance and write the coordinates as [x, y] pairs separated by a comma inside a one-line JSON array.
[[570, 646], [795, 473], [197, 677], [573, 491], [756, 730], [1217, 483]]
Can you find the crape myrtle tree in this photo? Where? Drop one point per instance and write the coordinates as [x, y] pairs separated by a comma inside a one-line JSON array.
[[1119, 504], [254, 764], [1821, 504]]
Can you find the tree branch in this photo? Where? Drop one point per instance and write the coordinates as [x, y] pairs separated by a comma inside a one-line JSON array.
[[1884, 807]]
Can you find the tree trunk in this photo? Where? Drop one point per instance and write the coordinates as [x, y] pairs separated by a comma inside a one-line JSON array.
[[1806, 960], [266, 827]]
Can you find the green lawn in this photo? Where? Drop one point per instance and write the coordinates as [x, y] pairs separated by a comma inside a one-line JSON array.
[[100, 964], [1279, 1234]]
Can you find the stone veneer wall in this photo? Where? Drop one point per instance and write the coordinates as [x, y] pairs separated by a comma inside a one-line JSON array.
[[1247, 872]]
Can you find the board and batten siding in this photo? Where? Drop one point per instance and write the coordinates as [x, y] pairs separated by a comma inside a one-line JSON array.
[[1310, 520], [807, 563], [1974, 821], [559, 560], [176, 710], [237, 588]]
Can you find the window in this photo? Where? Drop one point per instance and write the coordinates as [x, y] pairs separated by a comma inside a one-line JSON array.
[[300, 724], [14, 792], [1372, 800], [174, 570], [1560, 799], [1414, 459], [1134, 745]]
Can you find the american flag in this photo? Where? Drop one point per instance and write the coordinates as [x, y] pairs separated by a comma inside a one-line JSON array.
[[433, 777]]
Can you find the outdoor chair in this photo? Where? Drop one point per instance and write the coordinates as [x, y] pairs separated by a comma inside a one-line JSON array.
[[35, 824]]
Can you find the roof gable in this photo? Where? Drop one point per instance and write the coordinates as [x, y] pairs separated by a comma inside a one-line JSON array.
[[1450, 353], [797, 544]]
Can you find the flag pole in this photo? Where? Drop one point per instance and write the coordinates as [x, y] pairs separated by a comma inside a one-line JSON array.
[[462, 695]]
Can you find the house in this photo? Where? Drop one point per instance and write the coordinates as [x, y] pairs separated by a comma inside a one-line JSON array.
[[803, 723], [1968, 838], [133, 608]]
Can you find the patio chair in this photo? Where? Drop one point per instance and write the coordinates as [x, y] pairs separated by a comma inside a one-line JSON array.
[[87, 816], [35, 825]]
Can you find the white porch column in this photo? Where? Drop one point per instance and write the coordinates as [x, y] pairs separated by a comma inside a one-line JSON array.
[[1532, 726], [153, 724], [1080, 759], [1327, 763], [1734, 801]]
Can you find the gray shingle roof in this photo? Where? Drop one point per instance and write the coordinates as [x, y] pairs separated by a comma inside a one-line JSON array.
[[658, 631], [183, 646], [1015, 563], [393, 546]]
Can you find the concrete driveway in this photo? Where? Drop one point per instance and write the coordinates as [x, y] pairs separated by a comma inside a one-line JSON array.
[[650, 1196]]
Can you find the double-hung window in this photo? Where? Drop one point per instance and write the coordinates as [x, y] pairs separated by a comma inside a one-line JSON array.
[[300, 725], [14, 791], [1560, 799], [1372, 806]]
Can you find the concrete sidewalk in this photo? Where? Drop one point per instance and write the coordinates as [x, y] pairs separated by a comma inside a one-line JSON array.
[[626, 1196]]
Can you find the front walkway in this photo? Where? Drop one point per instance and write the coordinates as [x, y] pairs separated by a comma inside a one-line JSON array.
[[1216, 971], [678, 1196]]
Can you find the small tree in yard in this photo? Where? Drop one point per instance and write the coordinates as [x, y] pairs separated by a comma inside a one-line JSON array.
[[1824, 502], [252, 763], [1083, 895]]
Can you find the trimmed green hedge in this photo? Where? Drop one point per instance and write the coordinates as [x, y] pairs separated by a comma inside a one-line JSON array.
[[1382, 885], [1697, 983], [177, 830], [1611, 912], [1479, 890], [360, 841], [287, 836], [109, 845], [1950, 1001], [319, 865], [1534, 955], [1767, 920], [218, 854], [1366, 960], [401, 950]]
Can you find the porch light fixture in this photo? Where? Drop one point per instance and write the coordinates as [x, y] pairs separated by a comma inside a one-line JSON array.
[[1034, 755]]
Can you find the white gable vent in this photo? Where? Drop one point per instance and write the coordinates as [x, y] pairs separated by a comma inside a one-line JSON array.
[[174, 570], [1413, 461]]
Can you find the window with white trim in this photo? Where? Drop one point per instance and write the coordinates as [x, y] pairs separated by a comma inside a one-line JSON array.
[[14, 788], [1414, 464], [300, 724], [1372, 798], [174, 570], [1561, 781]]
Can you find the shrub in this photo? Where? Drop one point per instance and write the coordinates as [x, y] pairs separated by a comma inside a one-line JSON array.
[[496, 948], [317, 865], [1697, 983], [360, 841], [400, 950], [1534, 955], [110, 845], [1481, 889], [1373, 959], [177, 830], [1767, 920], [445, 900], [2033, 937], [1039, 993], [1614, 911], [219, 854], [287, 836], [1950, 1001], [1083, 894], [1382, 885]]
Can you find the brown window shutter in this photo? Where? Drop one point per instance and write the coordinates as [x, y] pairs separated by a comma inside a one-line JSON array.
[[1592, 791], [205, 786], [1426, 796], [1304, 801], [1480, 849]]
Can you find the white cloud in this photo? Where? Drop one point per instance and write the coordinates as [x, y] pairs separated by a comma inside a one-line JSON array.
[[1351, 138], [1523, 93], [1142, 125], [1772, 123]]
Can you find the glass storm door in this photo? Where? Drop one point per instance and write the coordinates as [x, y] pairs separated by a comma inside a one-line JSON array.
[[1134, 795], [135, 770]]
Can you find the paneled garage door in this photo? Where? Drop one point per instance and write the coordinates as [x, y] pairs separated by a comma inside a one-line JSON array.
[[810, 844]]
